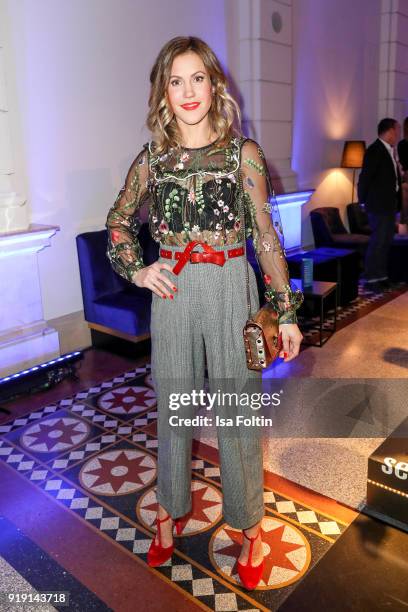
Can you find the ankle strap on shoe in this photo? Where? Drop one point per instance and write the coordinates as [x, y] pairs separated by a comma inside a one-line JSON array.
[[249, 537], [159, 522], [162, 520]]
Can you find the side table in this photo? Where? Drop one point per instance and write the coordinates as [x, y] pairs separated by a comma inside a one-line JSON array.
[[318, 294], [331, 264]]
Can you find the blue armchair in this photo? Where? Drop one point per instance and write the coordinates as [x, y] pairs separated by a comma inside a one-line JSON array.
[[112, 305]]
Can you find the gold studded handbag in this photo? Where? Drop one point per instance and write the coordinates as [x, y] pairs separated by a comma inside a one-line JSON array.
[[262, 339]]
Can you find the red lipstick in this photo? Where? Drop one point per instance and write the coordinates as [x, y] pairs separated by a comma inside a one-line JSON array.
[[190, 105]]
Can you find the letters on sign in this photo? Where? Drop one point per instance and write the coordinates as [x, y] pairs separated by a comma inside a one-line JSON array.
[[399, 467]]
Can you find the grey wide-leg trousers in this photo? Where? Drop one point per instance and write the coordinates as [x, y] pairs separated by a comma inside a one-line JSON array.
[[206, 317]]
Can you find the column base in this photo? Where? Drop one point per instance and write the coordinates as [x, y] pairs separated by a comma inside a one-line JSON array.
[[25, 348]]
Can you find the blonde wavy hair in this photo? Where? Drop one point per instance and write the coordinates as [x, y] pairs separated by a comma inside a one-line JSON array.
[[224, 115]]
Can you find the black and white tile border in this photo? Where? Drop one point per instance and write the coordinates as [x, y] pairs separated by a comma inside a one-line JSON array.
[[104, 386], [206, 588], [303, 515], [284, 506], [28, 419]]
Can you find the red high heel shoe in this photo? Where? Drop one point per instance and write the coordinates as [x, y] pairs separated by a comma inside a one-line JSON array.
[[249, 574], [158, 554]]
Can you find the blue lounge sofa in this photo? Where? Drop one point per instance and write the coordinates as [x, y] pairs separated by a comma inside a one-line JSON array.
[[112, 305]]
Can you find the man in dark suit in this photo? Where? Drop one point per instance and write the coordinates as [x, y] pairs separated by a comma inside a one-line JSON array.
[[379, 189]]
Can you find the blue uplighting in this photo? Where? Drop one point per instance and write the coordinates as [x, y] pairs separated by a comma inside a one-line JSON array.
[[36, 367]]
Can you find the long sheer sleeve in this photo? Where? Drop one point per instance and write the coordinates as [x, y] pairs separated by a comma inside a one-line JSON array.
[[123, 221], [269, 252]]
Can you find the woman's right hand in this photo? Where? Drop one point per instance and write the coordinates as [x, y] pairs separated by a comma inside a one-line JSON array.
[[151, 278]]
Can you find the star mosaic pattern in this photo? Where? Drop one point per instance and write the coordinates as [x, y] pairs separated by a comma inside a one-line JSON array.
[[286, 552], [52, 435], [206, 508], [127, 400], [118, 472]]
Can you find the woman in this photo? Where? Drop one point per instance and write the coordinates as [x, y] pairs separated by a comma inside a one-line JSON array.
[[191, 173], [403, 158]]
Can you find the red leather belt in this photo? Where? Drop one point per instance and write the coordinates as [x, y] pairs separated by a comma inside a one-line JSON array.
[[209, 255]]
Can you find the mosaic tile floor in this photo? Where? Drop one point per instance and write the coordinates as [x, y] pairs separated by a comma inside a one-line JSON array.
[[95, 453]]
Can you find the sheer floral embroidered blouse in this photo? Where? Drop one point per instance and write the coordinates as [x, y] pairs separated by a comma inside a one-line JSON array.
[[194, 194]]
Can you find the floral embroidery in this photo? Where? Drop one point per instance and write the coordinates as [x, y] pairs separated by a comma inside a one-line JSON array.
[[164, 228], [229, 165], [285, 302], [199, 194], [256, 166], [172, 202], [196, 193]]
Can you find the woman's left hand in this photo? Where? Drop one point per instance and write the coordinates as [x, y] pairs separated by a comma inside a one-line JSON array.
[[291, 339]]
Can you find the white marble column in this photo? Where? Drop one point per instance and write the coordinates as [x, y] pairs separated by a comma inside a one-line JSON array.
[[25, 338], [393, 82], [13, 206], [265, 79]]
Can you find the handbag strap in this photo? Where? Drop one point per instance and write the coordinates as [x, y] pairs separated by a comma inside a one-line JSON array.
[[242, 217]]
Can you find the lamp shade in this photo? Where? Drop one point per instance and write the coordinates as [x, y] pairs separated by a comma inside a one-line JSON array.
[[353, 154]]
